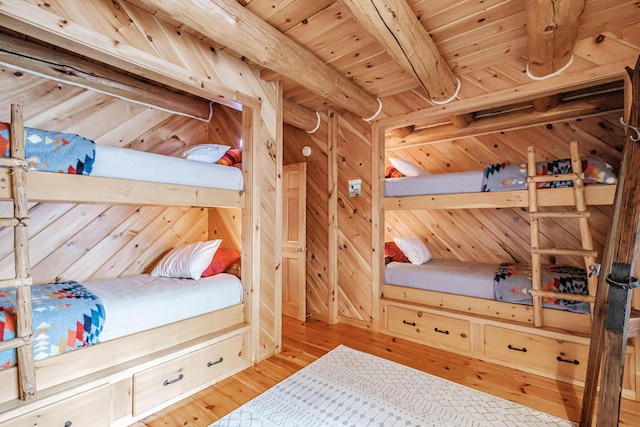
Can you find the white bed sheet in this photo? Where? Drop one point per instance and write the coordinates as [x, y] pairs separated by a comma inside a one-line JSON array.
[[137, 303], [116, 162], [471, 279], [443, 183]]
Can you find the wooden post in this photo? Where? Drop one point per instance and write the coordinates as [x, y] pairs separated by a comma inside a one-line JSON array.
[[611, 312]]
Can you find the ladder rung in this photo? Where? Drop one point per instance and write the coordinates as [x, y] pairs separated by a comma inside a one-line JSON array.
[[559, 215], [554, 178], [14, 222], [15, 343], [561, 251], [564, 295], [12, 162], [15, 282]]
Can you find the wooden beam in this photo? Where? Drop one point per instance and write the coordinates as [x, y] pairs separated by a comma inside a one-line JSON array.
[[552, 28], [523, 93], [394, 24], [589, 106], [229, 23], [60, 65], [298, 116], [547, 103]]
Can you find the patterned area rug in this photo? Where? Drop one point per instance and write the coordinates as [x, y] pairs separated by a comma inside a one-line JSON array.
[[349, 388]]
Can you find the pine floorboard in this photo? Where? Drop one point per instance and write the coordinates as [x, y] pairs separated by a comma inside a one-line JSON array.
[[304, 342]]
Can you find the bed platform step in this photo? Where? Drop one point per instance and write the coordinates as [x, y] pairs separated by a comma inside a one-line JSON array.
[[566, 296]]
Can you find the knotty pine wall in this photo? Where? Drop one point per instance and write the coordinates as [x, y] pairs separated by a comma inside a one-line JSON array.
[[141, 41]]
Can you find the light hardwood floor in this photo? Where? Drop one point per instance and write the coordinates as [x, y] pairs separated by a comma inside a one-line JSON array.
[[305, 342]]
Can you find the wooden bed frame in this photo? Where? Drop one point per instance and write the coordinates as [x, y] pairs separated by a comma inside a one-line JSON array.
[[495, 331], [129, 378]]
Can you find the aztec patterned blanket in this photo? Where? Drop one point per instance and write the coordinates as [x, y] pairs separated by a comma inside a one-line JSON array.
[[513, 176], [513, 284], [53, 151], [66, 316]]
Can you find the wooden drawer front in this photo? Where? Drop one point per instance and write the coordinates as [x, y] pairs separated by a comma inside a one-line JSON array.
[[88, 409], [429, 328], [560, 358], [171, 379]]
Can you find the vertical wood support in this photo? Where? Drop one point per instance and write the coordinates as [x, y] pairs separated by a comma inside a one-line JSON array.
[[535, 237], [609, 331], [332, 159], [24, 329]]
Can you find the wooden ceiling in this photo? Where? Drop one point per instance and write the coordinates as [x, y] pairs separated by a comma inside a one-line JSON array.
[[483, 43]]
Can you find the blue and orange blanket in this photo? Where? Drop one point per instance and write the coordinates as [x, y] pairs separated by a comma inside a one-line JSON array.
[[513, 176], [66, 316], [512, 283], [52, 151]]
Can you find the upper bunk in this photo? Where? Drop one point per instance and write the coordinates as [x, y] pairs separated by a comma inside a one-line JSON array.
[[66, 167]]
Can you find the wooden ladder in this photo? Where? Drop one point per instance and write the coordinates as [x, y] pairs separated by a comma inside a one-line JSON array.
[[587, 251], [23, 342]]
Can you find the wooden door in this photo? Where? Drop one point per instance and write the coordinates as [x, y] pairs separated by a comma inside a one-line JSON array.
[[294, 235]]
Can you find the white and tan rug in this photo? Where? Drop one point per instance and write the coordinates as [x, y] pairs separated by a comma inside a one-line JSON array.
[[349, 388]]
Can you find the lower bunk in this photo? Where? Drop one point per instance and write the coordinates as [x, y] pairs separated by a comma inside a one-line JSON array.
[[460, 314], [162, 339]]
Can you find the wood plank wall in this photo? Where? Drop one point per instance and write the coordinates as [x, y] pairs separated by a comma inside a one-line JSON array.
[[319, 293], [140, 41]]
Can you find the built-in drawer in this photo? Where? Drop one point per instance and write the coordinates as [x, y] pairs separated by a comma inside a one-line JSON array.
[[432, 329], [154, 386], [533, 352], [88, 409]]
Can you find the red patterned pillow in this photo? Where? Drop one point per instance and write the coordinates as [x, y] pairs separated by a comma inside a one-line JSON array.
[[391, 172], [223, 259], [231, 157], [392, 251]]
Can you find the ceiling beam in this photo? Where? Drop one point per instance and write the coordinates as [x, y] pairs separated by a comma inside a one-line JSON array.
[[552, 29], [61, 66], [394, 24], [301, 117], [230, 24], [585, 107]]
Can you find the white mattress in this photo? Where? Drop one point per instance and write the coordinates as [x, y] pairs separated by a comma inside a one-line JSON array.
[[443, 183], [471, 279], [137, 303], [116, 162]]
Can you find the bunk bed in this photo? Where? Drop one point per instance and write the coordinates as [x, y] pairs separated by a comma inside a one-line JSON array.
[[452, 314], [123, 374]]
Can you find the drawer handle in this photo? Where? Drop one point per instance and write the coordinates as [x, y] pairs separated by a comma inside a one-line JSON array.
[[441, 331], [523, 349], [573, 362], [210, 364], [68, 424], [167, 382], [409, 323]]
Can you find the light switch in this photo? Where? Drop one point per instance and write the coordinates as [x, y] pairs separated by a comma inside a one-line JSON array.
[[355, 187]]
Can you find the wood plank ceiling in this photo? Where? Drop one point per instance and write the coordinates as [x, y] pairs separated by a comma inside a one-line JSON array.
[[486, 45]]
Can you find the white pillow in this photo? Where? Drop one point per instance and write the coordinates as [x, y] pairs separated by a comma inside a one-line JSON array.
[[414, 249], [208, 153], [187, 261], [407, 168]]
